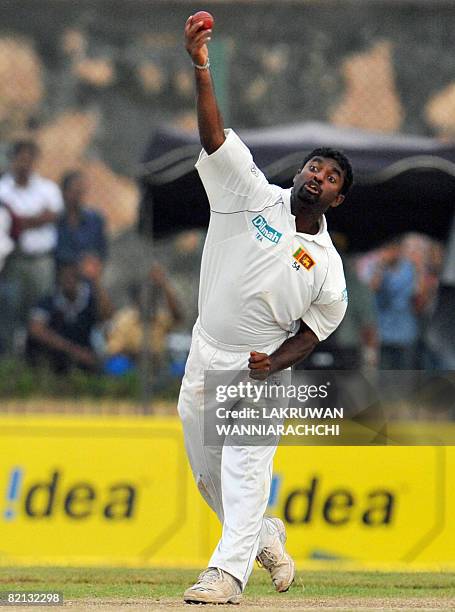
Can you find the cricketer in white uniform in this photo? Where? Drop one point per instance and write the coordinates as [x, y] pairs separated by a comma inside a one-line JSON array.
[[272, 286]]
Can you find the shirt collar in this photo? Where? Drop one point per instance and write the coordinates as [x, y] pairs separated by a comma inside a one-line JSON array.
[[31, 180]]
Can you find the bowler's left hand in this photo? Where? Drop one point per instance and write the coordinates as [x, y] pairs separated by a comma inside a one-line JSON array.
[[260, 365]]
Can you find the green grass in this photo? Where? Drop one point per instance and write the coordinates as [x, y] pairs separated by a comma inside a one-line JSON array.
[[20, 381], [153, 583]]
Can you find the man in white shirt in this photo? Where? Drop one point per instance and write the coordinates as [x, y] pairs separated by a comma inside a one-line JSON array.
[[36, 203], [6, 239], [272, 287], [7, 244]]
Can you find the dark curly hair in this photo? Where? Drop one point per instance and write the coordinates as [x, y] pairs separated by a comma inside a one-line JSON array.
[[340, 159]]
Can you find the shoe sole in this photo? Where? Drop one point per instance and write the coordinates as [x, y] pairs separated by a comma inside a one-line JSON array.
[[197, 599], [287, 589]]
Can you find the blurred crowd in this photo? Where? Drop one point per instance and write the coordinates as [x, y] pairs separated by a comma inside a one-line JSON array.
[[392, 294], [56, 311]]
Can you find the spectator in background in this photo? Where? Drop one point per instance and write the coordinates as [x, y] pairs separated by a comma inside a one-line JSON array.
[[185, 262], [7, 246], [354, 344], [126, 336], [36, 203], [356, 340], [7, 238], [427, 257], [61, 325], [81, 231], [394, 280]]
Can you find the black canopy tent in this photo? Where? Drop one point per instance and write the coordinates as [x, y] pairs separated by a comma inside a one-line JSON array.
[[402, 183]]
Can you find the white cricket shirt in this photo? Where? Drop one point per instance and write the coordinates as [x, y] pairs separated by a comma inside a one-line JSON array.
[[34, 198], [259, 276]]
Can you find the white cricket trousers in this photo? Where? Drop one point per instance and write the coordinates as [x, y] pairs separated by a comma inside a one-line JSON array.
[[234, 480]]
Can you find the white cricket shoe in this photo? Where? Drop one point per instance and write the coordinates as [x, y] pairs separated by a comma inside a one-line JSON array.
[[276, 560], [214, 586]]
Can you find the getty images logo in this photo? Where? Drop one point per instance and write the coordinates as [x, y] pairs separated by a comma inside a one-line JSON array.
[[79, 500]]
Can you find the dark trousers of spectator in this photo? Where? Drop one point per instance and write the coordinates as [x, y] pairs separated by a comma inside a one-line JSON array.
[[397, 357], [9, 297], [39, 356], [23, 281]]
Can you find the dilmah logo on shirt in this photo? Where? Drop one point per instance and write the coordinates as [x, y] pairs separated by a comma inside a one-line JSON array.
[[265, 230], [304, 258]]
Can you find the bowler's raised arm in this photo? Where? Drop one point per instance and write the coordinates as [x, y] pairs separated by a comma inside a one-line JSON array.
[[210, 122]]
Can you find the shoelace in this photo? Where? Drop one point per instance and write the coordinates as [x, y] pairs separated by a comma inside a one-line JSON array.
[[210, 576], [267, 558]]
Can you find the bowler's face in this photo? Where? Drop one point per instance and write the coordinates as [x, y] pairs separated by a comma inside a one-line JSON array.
[[318, 184]]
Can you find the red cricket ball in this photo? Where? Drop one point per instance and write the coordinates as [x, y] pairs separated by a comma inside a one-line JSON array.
[[206, 18]]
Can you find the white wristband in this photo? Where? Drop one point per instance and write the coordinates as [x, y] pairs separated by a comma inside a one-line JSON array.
[[204, 67]]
